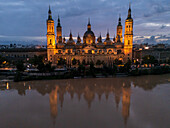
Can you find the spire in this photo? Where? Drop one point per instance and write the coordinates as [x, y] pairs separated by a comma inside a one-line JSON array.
[[49, 11], [107, 36], [99, 38], [70, 34], [129, 12], [88, 21], [89, 25], [78, 35], [78, 38], [49, 14], [59, 25], [64, 39], [119, 22], [114, 38]]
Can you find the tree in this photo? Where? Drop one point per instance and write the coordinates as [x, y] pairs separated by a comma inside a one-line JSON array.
[[20, 66], [148, 59], [117, 62], [74, 61], [36, 60], [41, 67], [98, 62], [61, 61], [127, 66], [2, 59], [84, 62]]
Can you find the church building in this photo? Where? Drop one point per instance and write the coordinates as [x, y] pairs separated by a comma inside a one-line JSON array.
[[89, 49]]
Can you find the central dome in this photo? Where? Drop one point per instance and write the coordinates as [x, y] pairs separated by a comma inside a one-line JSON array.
[[89, 36]]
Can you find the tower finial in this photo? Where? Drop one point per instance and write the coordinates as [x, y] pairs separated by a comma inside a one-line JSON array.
[[129, 12], [58, 17], [130, 5], [49, 14], [89, 25], [70, 34], [107, 35], [59, 25], [88, 21], [108, 31], [119, 21]]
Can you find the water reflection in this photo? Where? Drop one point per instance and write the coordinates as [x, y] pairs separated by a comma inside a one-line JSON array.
[[88, 90]]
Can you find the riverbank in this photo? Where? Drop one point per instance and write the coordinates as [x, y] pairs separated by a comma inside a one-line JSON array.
[[90, 73]]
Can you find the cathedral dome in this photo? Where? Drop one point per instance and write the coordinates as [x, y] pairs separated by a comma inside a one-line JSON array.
[[118, 45], [89, 32], [71, 42], [107, 41], [89, 37]]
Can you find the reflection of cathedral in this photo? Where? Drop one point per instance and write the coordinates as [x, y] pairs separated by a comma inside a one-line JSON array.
[[88, 49], [89, 92], [126, 103], [53, 102]]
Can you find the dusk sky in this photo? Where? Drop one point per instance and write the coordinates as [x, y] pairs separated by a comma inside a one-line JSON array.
[[26, 19]]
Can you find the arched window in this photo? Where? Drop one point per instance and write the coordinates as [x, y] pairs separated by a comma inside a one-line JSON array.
[[50, 41], [128, 42], [69, 51]]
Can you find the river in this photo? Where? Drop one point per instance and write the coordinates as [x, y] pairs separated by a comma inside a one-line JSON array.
[[124, 102]]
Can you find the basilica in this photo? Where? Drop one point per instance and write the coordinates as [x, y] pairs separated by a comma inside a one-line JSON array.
[[90, 48]]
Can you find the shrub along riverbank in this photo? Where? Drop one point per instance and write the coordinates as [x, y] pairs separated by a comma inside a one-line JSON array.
[[92, 72]]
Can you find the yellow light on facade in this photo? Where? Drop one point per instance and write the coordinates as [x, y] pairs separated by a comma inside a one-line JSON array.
[[7, 86], [4, 62], [93, 52]]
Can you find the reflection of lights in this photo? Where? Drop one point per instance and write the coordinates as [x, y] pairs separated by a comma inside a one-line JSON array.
[[24, 83], [7, 86], [29, 87]]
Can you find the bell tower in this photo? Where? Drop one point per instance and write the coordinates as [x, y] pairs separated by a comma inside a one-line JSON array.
[[119, 31], [50, 37], [59, 30], [128, 36]]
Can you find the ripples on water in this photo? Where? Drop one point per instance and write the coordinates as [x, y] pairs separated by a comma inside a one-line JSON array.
[[132, 102]]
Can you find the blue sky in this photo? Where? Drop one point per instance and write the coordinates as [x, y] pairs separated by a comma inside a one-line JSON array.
[[26, 19]]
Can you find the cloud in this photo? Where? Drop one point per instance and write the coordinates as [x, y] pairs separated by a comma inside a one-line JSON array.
[[28, 17], [18, 3]]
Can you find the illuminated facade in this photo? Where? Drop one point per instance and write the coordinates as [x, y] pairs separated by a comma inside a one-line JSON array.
[[88, 49]]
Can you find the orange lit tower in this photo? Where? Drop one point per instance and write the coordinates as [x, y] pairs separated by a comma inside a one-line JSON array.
[[59, 30], [50, 37], [128, 36], [119, 31]]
